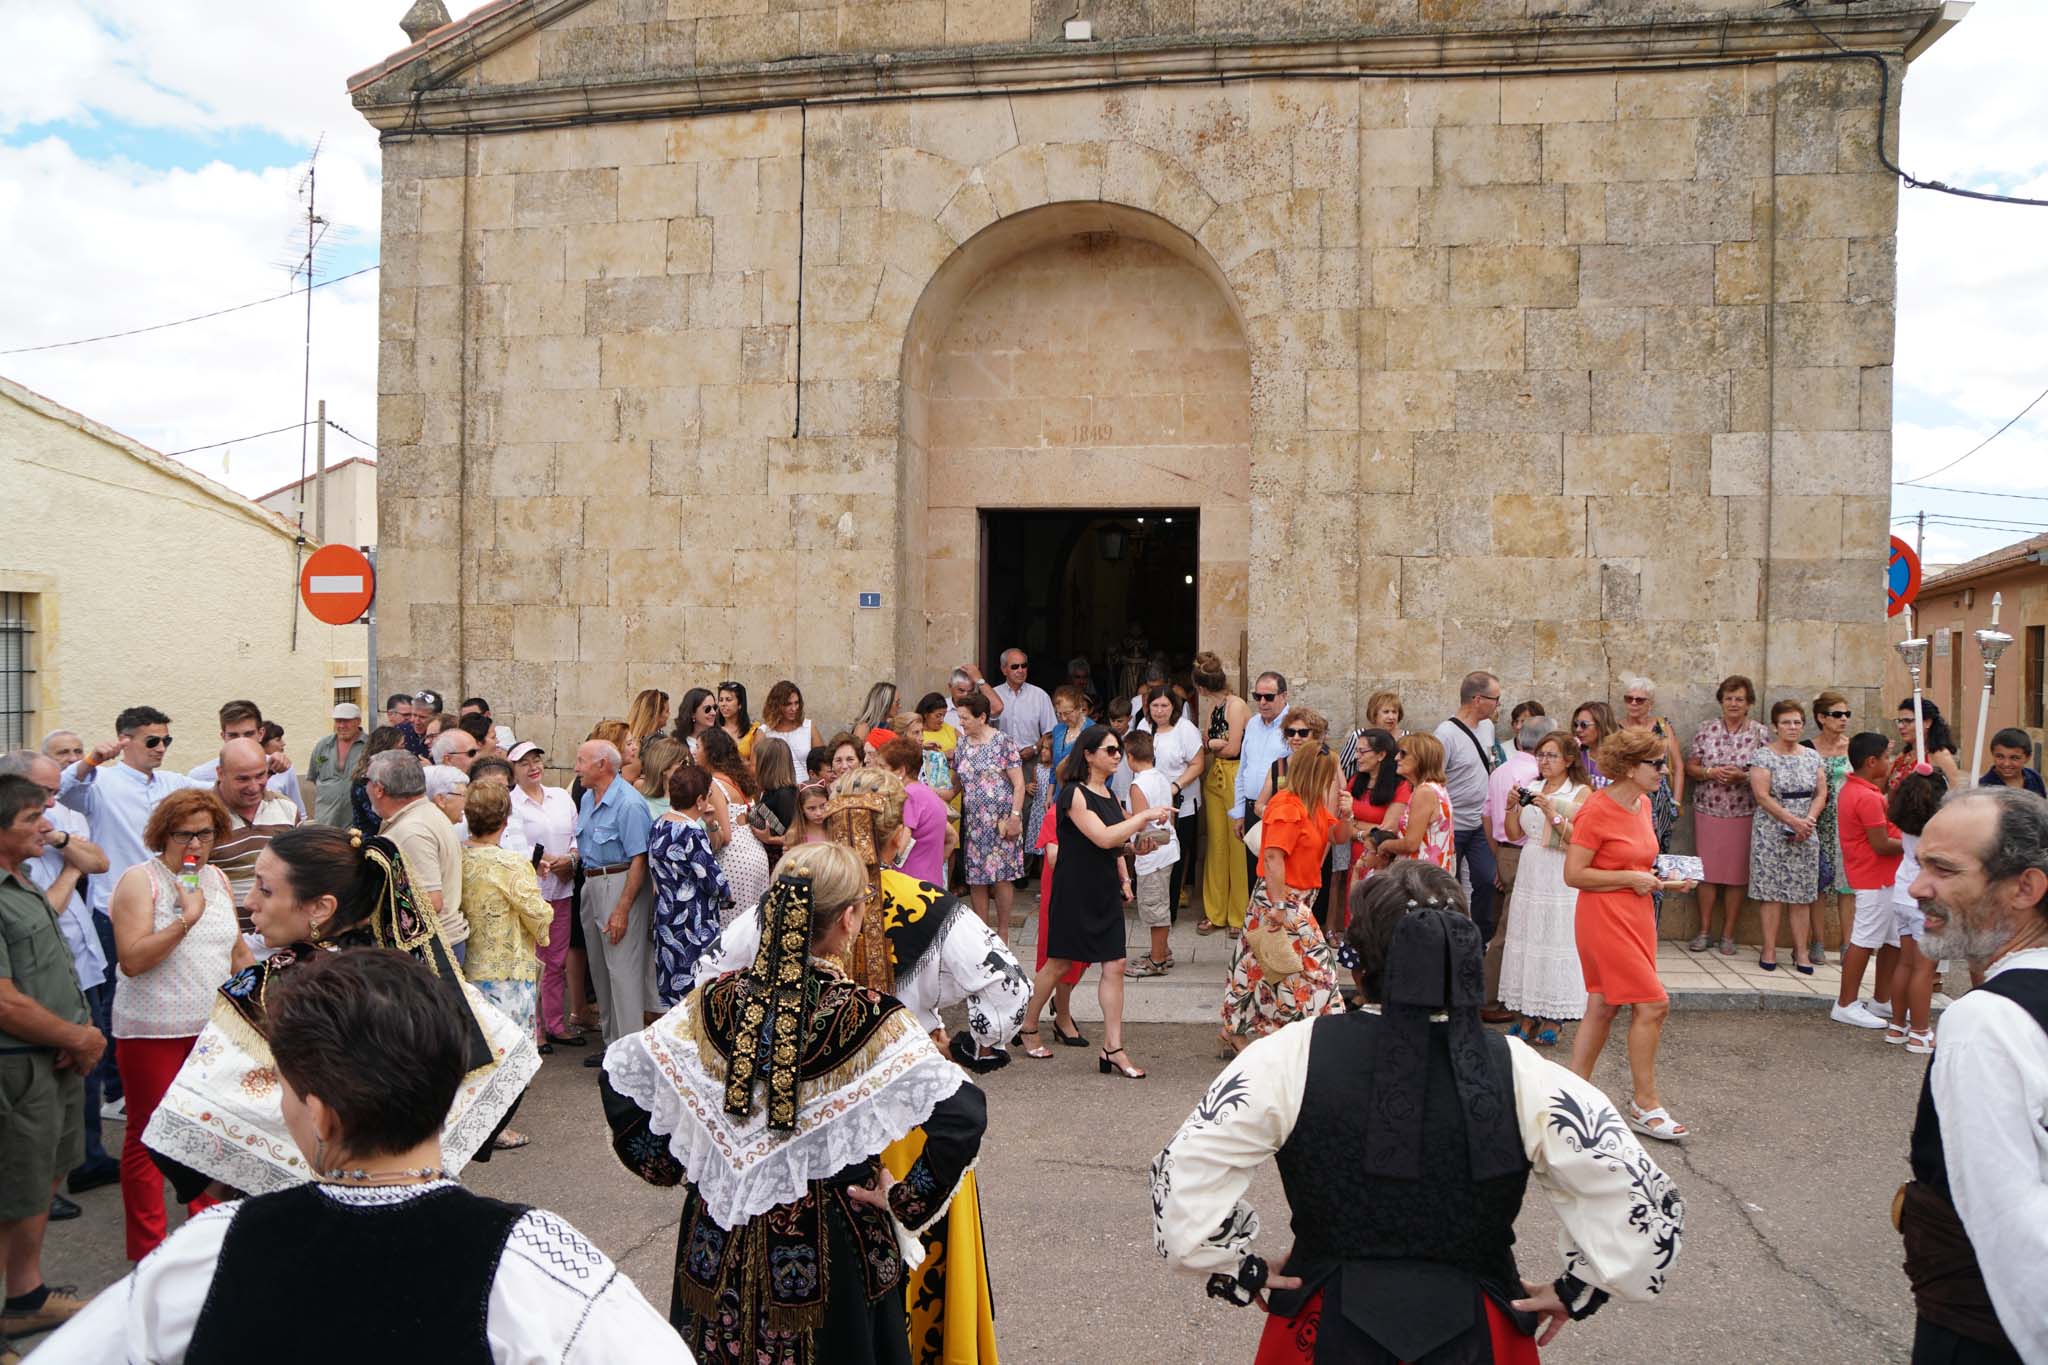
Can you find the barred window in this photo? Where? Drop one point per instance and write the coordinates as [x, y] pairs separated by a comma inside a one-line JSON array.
[[17, 671]]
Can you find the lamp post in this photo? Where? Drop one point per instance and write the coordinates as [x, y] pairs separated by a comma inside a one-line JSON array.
[[1914, 651], [1990, 643]]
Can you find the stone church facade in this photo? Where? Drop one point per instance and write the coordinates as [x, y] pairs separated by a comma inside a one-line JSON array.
[[1549, 338]]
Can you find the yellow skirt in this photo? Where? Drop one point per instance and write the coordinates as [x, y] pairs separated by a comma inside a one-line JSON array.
[[952, 1316]]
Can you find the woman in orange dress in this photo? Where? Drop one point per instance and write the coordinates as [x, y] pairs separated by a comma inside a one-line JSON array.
[[1611, 864]]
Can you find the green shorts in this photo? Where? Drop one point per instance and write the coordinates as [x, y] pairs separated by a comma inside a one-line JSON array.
[[42, 1130]]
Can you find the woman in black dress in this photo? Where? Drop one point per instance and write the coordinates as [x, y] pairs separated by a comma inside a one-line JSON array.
[[1086, 914]]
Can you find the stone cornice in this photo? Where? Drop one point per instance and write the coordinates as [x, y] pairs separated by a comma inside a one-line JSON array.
[[417, 90]]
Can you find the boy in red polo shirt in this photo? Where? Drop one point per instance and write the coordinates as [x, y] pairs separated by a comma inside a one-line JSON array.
[[1870, 859]]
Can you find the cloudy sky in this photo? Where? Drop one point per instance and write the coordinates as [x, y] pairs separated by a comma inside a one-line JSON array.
[[151, 159]]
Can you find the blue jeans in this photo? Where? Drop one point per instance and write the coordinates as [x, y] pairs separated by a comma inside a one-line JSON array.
[[106, 1075], [1477, 855], [100, 1000]]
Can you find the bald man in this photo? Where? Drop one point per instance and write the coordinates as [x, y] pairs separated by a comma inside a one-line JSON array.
[[612, 826], [256, 813]]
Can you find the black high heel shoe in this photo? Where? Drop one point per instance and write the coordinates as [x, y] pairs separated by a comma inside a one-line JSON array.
[[1123, 1068], [1074, 1039]]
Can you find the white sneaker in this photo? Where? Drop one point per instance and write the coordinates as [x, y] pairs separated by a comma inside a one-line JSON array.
[[115, 1111], [1881, 1008], [1856, 1016]]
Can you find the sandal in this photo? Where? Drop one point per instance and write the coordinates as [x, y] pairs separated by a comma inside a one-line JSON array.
[[1074, 1039], [509, 1141], [1122, 1068], [1896, 1032], [1656, 1123], [1207, 927], [1034, 1051], [1144, 966], [1727, 947], [1700, 942], [1547, 1037], [1920, 1042]]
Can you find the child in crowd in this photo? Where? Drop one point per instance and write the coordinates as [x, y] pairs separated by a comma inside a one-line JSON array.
[[809, 825], [2010, 750], [1158, 850], [1119, 722], [1913, 803], [1870, 861], [1040, 785]]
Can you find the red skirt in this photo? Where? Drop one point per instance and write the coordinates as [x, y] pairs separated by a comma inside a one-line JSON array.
[[1292, 1341]]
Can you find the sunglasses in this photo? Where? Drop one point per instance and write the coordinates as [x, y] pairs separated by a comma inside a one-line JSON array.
[[1636, 701], [1400, 753], [1021, 663], [1299, 734], [1838, 715], [1265, 696], [1112, 750], [729, 687], [1582, 725], [156, 742]]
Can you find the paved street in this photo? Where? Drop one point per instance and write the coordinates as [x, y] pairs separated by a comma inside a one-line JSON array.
[[1800, 1140]]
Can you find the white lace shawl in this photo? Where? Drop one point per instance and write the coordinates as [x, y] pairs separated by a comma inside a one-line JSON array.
[[224, 1113], [740, 1166]]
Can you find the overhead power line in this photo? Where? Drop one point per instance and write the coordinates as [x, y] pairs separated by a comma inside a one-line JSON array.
[[198, 317], [216, 445], [1974, 492], [367, 445], [1905, 483]]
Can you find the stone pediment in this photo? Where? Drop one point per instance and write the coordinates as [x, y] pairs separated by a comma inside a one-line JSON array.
[[516, 62]]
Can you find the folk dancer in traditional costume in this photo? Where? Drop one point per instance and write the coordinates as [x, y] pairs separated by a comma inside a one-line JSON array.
[[1406, 1135], [370, 1049], [770, 1095], [1975, 1215], [928, 950], [317, 890]]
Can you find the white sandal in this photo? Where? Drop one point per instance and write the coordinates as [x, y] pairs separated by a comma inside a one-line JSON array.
[[1896, 1032], [1656, 1123], [1920, 1042]]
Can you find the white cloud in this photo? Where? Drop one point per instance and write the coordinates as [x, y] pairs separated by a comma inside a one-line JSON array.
[[116, 245], [1972, 340]]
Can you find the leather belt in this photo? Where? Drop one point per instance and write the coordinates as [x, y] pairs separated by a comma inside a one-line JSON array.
[[606, 870]]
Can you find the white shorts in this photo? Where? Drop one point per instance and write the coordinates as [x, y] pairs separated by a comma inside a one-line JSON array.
[[1908, 919], [1876, 923]]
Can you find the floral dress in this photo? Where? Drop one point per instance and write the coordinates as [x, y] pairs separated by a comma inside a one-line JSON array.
[[689, 892], [1834, 878], [985, 799], [1779, 869], [1282, 968], [1439, 844]]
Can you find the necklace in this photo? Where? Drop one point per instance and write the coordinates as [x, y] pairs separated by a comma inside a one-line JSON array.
[[340, 1176]]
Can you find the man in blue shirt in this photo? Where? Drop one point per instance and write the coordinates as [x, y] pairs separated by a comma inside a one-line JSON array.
[[612, 824], [2010, 750], [1264, 742]]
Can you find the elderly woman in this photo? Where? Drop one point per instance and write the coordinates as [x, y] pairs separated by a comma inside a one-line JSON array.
[[1638, 703], [1428, 1129], [1611, 863], [447, 788], [174, 940], [362, 815], [1784, 856], [373, 1055], [548, 818], [508, 919], [779, 1149], [990, 775], [1723, 807], [1540, 976], [1282, 969]]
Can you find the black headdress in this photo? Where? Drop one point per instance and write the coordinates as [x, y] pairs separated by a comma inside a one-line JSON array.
[[1437, 965], [775, 1005]]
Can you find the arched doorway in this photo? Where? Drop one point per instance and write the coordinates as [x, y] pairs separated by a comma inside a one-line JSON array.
[[1071, 371]]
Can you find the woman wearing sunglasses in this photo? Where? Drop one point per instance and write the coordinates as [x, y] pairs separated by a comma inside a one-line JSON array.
[[1831, 715], [1086, 915]]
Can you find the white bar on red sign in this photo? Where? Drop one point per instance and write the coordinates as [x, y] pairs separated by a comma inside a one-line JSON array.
[[323, 583]]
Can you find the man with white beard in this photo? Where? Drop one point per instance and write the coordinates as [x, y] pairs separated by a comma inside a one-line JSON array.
[[1975, 1215]]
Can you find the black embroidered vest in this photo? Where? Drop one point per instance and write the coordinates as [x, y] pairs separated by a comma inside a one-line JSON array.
[[417, 1273], [1432, 1243], [1948, 1284]]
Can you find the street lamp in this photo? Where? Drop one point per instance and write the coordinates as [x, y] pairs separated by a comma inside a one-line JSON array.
[[1914, 651], [1990, 643]]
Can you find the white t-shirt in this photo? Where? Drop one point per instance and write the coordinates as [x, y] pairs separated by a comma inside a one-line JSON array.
[[1158, 791], [1171, 754]]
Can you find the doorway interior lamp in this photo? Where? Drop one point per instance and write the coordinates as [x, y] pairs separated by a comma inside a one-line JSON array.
[[1990, 643], [1913, 650]]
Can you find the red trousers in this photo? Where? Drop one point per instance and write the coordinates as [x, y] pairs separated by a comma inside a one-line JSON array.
[[148, 1066]]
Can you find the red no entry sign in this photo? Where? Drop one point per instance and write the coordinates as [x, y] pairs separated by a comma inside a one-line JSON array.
[[1902, 578], [337, 584]]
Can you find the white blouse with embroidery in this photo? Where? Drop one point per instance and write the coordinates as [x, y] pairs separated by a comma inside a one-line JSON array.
[[1622, 1217]]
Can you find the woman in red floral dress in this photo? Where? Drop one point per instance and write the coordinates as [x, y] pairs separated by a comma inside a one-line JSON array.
[[1283, 968]]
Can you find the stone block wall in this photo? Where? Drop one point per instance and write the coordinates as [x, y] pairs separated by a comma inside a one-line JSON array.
[[1568, 376]]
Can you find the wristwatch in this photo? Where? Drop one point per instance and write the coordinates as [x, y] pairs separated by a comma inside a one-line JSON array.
[[67, 838]]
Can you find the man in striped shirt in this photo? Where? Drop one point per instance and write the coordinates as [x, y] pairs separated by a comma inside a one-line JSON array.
[[256, 813]]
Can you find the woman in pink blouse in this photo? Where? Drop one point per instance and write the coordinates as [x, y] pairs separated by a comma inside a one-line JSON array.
[[1723, 807]]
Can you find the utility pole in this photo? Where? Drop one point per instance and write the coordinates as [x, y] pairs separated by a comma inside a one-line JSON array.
[[1920, 537], [320, 476]]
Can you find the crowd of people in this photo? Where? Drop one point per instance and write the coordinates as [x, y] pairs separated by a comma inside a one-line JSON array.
[[711, 886]]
